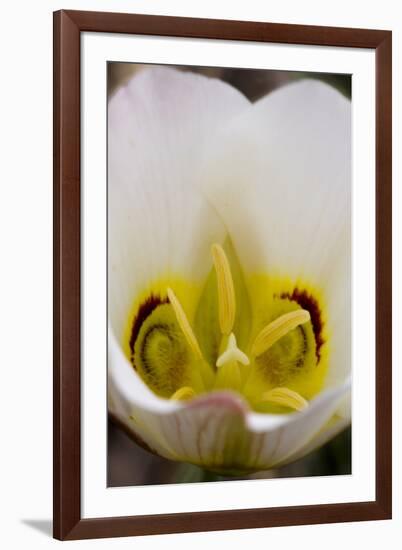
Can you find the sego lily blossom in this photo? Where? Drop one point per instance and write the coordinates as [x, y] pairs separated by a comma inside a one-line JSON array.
[[229, 261]]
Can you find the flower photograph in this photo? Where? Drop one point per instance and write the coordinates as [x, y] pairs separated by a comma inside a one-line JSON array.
[[229, 274]]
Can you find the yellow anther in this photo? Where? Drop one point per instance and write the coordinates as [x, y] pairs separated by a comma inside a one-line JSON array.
[[184, 323], [277, 329], [226, 293], [184, 393], [232, 353], [286, 398]]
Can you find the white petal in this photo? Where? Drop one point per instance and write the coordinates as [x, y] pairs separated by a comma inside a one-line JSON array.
[[294, 434], [134, 404], [338, 422], [338, 297], [280, 178], [158, 127]]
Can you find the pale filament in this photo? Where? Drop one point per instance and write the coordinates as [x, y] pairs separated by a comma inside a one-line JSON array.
[[186, 392], [184, 323], [277, 329], [226, 293], [286, 398]]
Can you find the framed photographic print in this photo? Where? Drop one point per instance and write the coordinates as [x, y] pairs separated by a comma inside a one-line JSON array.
[[222, 231]]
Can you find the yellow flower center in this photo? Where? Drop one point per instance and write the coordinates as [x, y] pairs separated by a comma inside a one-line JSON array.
[[264, 338]]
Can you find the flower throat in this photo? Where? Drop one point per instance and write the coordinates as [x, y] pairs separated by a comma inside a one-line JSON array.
[[263, 338]]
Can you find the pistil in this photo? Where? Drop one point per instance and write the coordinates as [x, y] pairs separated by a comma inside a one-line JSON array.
[[232, 354]]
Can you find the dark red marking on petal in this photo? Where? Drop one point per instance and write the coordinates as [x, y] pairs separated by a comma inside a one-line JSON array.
[[308, 302], [145, 309]]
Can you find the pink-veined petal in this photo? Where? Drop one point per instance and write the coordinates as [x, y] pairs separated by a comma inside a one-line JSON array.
[[216, 430]]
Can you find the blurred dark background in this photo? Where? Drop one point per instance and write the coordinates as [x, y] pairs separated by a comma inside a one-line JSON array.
[[253, 83], [129, 464]]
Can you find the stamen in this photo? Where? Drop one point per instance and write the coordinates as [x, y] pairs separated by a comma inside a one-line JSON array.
[[226, 293], [277, 329], [232, 353], [286, 398], [183, 394], [184, 323]]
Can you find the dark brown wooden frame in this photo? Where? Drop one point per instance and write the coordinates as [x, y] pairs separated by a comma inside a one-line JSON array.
[[68, 26]]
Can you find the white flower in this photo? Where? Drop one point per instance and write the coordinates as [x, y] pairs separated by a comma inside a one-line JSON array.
[[236, 360]]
